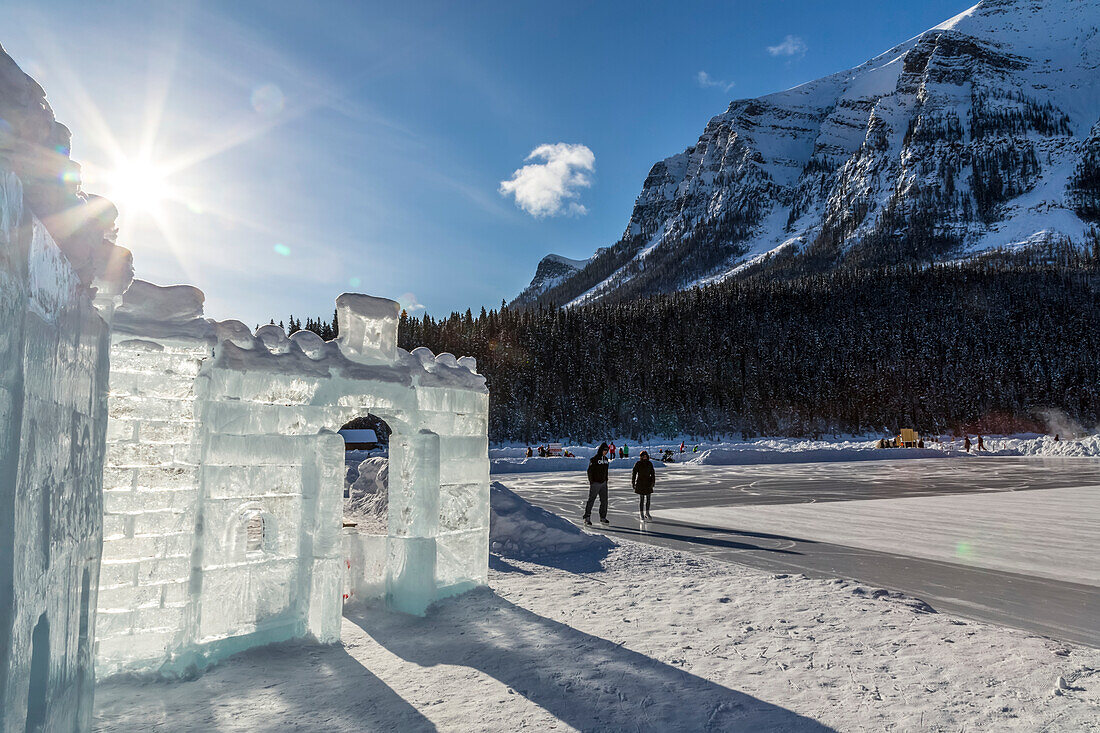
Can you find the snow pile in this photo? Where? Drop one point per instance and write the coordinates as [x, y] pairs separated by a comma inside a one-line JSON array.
[[520, 529], [367, 502], [511, 459], [539, 465], [1045, 445], [746, 454]]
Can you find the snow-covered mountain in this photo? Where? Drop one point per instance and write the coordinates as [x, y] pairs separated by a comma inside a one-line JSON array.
[[552, 270], [982, 132]]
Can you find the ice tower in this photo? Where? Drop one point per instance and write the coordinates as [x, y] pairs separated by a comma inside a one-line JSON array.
[[55, 252], [224, 479], [53, 378]]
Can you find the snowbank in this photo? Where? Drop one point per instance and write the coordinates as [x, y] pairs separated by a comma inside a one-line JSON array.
[[511, 459], [520, 529], [1045, 445], [746, 456]]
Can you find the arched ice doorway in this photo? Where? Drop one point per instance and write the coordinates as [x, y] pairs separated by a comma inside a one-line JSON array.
[[366, 474], [392, 514]]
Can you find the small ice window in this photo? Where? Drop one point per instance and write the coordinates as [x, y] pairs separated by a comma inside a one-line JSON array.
[[254, 534]]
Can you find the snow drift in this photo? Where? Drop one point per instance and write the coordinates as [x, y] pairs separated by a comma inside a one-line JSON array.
[[519, 529]]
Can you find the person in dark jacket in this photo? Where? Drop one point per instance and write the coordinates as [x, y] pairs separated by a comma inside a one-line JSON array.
[[642, 479], [597, 484]]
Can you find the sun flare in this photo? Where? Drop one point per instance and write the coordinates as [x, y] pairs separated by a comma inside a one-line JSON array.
[[137, 186]]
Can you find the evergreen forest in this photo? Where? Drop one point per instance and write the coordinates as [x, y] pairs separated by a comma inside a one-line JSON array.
[[985, 345]]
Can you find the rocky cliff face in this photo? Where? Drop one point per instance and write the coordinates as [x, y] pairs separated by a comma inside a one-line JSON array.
[[551, 271], [980, 133]]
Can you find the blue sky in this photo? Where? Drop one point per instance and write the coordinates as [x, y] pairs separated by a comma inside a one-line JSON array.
[[278, 154]]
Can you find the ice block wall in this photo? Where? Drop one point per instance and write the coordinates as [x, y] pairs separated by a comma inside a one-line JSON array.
[[460, 418], [150, 498], [225, 479], [272, 494], [53, 386]]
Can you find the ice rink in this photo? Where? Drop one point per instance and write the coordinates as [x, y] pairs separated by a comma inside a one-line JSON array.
[[1008, 540]]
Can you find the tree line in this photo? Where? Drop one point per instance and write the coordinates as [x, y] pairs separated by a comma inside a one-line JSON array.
[[986, 345]]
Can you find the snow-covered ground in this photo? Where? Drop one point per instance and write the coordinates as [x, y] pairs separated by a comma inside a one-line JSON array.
[[1051, 533], [624, 636], [511, 458]]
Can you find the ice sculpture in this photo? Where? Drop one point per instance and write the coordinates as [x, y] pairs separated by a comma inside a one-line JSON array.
[[209, 481], [224, 479], [56, 257], [53, 416]]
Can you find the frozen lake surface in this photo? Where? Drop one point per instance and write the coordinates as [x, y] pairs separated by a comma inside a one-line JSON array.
[[972, 545], [695, 486]]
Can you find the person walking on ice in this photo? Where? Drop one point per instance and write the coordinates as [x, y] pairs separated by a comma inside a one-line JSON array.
[[597, 484], [642, 478]]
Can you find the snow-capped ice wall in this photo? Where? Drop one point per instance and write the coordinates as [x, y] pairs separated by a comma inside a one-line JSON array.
[[53, 414], [224, 479]]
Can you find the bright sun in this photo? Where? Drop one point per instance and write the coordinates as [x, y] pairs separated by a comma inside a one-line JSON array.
[[137, 186]]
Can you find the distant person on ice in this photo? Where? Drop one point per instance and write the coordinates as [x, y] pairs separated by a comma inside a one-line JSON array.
[[966, 443], [681, 446], [981, 443], [530, 452], [597, 484], [642, 479]]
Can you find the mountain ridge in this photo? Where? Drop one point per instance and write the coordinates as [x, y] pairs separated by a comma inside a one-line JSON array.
[[979, 133]]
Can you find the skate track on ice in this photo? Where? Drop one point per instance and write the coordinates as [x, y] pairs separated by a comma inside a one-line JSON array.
[[761, 536]]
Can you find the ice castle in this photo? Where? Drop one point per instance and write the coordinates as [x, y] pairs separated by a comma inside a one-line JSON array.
[[215, 431], [171, 486]]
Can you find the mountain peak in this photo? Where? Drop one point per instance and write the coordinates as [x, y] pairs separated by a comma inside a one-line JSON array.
[[975, 134], [552, 270]]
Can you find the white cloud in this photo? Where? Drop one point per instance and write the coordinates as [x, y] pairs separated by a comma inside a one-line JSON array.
[[791, 46], [544, 189], [705, 80]]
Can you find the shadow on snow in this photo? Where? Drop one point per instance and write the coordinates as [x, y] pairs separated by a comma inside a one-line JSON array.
[[584, 681], [275, 688]]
